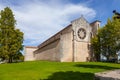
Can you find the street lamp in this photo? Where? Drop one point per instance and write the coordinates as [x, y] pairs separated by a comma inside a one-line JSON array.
[[117, 14]]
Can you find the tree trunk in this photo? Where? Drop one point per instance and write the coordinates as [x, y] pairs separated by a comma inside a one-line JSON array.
[[10, 60], [107, 58], [97, 57]]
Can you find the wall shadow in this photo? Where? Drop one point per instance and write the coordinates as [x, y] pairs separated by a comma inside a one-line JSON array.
[[70, 75], [96, 66]]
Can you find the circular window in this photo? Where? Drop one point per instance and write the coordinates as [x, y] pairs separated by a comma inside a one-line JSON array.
[[81, 33]]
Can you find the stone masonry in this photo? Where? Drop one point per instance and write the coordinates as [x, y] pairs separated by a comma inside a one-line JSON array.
[[72, 44]]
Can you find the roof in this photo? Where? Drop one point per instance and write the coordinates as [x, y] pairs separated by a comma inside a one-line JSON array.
[[31, 47], [57, 35], [95, 21], [53, 38]]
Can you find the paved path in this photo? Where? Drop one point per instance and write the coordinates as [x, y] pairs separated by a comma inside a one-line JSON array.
[[108, 75]]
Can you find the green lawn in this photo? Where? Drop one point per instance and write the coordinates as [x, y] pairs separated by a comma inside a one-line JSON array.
[[44, 70]]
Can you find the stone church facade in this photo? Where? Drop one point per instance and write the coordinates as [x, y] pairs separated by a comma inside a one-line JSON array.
[[72, 44]]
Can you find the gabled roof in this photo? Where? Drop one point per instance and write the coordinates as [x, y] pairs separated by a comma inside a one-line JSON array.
[[82, 17], [95, 22], [53, 38], [31, 47]]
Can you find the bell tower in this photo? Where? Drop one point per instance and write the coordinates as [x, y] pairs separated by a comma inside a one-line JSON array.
[[95, 26]]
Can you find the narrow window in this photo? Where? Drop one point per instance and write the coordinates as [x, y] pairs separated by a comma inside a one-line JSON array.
[[98, 26], [88, 46], [90, 35]]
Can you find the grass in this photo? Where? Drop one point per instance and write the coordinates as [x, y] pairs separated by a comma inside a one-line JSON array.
[[44, 70]]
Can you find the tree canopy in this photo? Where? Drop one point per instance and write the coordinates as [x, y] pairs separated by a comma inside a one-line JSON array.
[[11, 38], [107, 41]]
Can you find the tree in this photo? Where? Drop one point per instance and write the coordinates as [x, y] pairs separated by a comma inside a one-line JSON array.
[[11, 39], [110, 38], [96, 47], [107, 42], [18, 57]]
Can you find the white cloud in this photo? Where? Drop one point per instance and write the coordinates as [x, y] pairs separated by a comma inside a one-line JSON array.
[[39, 20]]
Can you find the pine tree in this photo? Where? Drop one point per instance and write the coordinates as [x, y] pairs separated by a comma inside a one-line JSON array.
[[11, 39]]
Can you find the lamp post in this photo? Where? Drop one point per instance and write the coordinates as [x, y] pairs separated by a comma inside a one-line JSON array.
[[117, 14]]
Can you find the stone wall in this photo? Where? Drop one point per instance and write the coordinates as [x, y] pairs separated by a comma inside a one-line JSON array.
[[60, 49], [66, 43], [81, 46], [29, 56], [49, 52], [81, 52]]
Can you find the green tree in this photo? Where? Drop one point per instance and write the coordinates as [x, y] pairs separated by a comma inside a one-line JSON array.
[[107, 42], [11, 39], [96, 47], [18, 57], [110, 38]]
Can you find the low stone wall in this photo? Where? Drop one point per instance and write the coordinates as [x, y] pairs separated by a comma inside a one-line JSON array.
[[108, 75], [29, 56]]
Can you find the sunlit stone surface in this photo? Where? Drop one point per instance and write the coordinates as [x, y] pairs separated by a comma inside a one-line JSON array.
[[108, 75]]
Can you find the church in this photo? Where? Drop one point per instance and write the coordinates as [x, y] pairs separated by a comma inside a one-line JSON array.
[[72, 44]]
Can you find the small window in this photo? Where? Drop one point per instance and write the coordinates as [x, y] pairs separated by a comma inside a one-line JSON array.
[[88, 46], [90, 35], [98, 26]]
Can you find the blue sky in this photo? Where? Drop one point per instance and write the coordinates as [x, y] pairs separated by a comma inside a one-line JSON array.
[[40, 19]]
